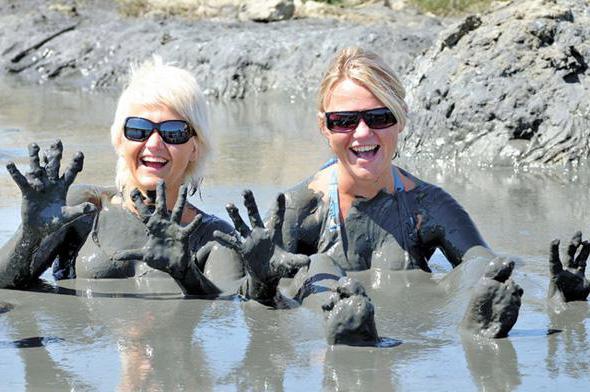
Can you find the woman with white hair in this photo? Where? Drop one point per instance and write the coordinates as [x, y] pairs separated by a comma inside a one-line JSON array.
[[144, 224]]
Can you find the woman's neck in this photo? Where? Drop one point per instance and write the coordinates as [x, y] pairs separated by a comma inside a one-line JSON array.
[[369, 188], [349, 188]]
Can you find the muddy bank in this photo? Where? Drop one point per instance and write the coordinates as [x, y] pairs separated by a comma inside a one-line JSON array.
[[506, 87], [91, 45]]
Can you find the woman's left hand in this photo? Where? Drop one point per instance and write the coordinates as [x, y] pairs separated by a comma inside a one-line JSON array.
[[265, 260], [168, 245], [570, 281]]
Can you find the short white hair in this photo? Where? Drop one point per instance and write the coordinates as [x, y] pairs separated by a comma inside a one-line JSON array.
[[155, 83]]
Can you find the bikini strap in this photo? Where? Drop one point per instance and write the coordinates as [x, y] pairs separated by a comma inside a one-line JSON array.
[[334, 208], [398, 184]]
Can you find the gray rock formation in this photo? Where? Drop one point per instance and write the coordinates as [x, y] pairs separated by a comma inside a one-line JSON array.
[[93, 46], [507, 87], [267, 10]]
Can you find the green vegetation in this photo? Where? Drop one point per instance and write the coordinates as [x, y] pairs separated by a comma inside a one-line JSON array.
[[451, 7]]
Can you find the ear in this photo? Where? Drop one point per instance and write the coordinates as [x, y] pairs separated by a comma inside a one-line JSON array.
[[195, 151]]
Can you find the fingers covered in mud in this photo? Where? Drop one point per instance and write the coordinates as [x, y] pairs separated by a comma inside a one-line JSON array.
[[261, 252], [168, 246], [350, 315], [44, 192], [568, 282], [495, 303]]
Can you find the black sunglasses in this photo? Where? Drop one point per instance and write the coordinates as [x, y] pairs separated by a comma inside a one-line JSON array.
[[139, 129], [344, 122]]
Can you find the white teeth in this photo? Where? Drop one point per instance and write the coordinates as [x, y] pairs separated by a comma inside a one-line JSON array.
[[153, 159], [364, 148]]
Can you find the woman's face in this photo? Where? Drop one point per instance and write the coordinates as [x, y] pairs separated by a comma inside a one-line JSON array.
[[153, 160], [364, 153]]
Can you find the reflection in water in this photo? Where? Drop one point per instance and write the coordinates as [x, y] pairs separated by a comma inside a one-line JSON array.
[[492, 363], [567, 352], [140, 334]]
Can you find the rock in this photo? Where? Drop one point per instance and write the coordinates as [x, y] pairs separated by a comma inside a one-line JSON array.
[[506, 87], [230, 59], [267, 10]]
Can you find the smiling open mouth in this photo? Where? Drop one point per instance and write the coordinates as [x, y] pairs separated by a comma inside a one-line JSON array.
[[365, 152], [155, 163]]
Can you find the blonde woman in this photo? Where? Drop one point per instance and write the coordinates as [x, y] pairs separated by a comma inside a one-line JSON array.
[[360, 210]]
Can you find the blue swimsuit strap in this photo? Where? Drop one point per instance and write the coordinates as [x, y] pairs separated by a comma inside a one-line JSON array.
[[334, 208]]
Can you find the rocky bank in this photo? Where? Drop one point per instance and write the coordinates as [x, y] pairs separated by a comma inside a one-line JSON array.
[[92, 45], [506, 87]]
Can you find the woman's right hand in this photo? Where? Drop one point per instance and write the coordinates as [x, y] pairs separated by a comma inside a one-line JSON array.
[[43, 208]]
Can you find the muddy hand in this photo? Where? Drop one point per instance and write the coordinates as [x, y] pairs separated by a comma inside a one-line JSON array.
[[495, 302], [168, 245], [350, 315], [570, 281], [265, 260], [44, 191]]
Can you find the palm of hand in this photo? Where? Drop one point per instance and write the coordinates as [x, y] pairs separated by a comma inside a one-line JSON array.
[[44, 192], [168, 245], [261, 250], [570, 281]]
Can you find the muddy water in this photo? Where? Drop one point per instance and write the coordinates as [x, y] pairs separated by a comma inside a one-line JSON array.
[[136, 334]]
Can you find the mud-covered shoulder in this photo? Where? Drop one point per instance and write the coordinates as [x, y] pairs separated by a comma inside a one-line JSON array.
[[304, 211], [442, 221], [94, 194]]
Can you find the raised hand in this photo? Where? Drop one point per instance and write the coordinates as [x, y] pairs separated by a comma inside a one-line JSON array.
[[350, 315], [43, 208], [168, 246], [261, 247], [570, 282], [495, 303]]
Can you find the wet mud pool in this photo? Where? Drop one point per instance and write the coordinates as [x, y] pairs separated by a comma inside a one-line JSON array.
[[141, 334]]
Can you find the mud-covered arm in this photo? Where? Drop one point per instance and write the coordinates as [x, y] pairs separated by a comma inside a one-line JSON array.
[[44, 216], [302, 220], [442, 223]]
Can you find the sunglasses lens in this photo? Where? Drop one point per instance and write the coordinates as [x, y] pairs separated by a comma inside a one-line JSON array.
[[379, 118], [137, 129], [175, 132], [342, 121]]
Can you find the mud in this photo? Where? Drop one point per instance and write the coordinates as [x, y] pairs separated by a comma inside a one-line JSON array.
[[132, 332]]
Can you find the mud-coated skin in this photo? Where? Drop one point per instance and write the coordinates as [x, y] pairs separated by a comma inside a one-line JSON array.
[[261, 249], [44, 214], [494, 305], [81, 235], [569, 283], [350, 315], [168, 246], [377, 232]]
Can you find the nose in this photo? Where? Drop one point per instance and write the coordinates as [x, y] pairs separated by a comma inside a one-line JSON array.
[[362, 129], [155, 140]]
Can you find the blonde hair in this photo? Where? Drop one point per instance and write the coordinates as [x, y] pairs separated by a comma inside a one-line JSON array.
[[369, 70], [154, 83]]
